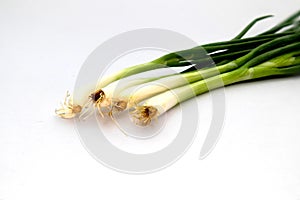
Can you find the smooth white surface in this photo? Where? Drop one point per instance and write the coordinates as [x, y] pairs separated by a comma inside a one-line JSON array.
[[44, 43]]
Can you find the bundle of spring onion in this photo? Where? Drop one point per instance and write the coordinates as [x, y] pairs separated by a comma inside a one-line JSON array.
[[275, 52]]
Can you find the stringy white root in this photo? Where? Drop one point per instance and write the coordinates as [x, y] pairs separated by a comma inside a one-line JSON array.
[[68, 110]]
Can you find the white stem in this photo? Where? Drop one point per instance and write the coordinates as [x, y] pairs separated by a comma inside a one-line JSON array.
[[144, 91]]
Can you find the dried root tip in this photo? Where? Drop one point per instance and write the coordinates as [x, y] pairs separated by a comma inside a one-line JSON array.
[[98, 96], [143, 115], [100, 101], [118, 105], [68, 110]]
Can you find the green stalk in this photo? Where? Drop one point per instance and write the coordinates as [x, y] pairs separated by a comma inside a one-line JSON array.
[[257, 56], [248, 61], [262, 53], [249, 39], [173, 59], [285, 64], [215, 58], [273, 47], [249, 26], [287, 22], [261, 72]]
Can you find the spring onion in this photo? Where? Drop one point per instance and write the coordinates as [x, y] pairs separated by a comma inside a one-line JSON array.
[[273, 52]]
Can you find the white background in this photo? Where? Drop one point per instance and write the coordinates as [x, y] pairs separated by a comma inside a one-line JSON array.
[[42, 47]]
